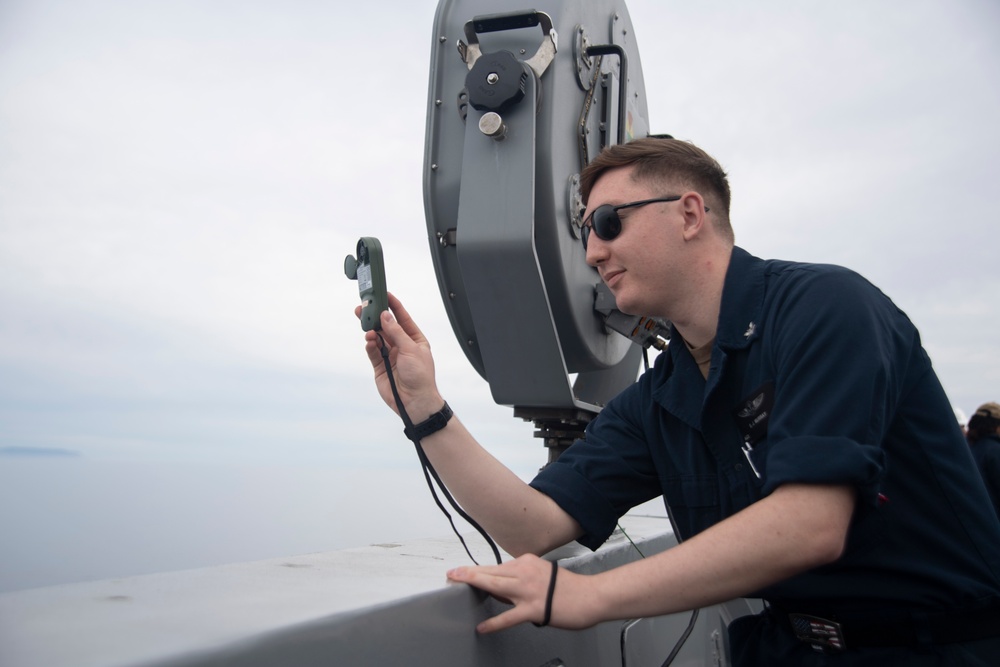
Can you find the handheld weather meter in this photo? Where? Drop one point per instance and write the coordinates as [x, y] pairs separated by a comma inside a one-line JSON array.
[[369, 270]]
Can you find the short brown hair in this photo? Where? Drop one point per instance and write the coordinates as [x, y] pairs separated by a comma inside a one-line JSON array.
[[984, 422], [659, 159]]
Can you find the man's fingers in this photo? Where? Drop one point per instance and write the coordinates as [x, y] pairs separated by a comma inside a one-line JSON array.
[[511, 582], [483, 578], [507, 619], [374, 353], [406, 322], [392, 332]]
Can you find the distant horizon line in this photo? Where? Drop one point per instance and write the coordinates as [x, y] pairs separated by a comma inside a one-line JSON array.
[[39, 452]]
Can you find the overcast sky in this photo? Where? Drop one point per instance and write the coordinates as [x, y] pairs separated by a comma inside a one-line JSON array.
[[180, 182]]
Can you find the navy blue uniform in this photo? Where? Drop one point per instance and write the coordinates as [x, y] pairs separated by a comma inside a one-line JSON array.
[[816, 377], [986, 452]]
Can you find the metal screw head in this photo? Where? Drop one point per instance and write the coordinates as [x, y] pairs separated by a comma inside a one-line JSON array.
[[492, 125], [492, 78]]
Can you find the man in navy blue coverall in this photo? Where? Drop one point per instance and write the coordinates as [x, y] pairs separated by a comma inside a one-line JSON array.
[[794, 426]]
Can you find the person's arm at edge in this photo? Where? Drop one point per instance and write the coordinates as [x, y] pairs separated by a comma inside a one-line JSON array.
[[796, 528], [520, 518]]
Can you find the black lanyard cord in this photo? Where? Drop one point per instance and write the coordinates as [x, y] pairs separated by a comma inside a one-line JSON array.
[[429, 470]]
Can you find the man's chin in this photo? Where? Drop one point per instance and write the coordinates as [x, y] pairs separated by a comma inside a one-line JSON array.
[[625, 307]]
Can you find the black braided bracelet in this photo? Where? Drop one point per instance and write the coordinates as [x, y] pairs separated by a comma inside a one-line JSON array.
[[548, 596]]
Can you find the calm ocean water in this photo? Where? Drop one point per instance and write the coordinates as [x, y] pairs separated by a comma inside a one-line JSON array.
[[70, 519]]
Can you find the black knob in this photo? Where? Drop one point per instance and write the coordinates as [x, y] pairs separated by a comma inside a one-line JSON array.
[[496, 81]]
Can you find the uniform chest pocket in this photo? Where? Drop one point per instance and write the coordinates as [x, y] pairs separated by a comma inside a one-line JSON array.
[[693, 502]]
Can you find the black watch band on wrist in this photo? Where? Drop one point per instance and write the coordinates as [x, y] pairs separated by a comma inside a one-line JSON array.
[[432, 424]]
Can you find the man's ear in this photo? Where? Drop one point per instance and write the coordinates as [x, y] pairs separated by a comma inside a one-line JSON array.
[[693, 209]]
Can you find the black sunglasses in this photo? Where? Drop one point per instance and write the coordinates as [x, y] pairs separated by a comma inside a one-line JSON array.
[[606, 222]]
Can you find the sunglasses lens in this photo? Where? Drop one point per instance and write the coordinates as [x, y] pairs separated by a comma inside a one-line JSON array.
[[604, 222], [607, 224]]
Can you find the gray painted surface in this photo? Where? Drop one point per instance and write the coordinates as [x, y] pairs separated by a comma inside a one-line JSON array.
[[500, 214], [381, 604]]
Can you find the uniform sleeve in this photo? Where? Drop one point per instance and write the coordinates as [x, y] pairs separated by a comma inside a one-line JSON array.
[[595, 482], [840, 350]]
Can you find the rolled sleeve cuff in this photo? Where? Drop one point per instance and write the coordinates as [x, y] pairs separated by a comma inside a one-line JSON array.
[[826, 460], [581, 500]]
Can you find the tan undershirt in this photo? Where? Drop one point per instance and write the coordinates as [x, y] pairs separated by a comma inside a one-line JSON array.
[[702, 356]]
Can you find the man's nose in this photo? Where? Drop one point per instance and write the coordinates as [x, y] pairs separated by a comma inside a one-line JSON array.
[[597, 250]]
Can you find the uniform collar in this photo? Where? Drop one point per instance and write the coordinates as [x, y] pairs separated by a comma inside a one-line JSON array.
[[742, 301], [739, 325]]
